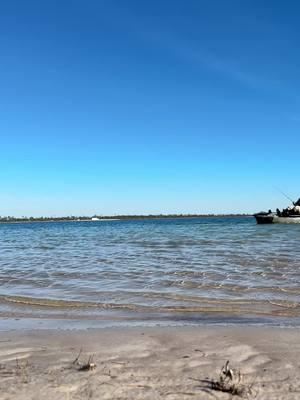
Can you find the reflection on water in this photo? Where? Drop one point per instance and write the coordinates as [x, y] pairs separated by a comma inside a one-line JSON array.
[[226, 265]]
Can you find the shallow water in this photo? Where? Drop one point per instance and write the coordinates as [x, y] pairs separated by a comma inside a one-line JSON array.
[[171, 268]]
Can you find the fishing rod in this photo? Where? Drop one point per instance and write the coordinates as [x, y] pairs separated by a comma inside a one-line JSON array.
[[285, 195]]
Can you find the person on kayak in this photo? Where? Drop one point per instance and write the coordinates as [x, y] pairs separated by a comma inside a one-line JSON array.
[[297, 203], [296, 208], [291, 210]]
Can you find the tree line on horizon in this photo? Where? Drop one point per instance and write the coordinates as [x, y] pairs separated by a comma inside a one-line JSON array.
[[123, 216]]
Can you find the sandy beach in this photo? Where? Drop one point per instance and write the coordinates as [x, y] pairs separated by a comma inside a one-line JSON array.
[[148, 363]]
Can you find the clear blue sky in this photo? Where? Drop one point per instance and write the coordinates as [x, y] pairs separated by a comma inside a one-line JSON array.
[[155, 106]]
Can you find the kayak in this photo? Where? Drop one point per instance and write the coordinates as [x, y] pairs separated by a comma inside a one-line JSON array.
[[272, 218]]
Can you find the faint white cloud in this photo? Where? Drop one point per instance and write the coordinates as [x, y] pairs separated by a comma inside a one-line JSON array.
[[195, 52]]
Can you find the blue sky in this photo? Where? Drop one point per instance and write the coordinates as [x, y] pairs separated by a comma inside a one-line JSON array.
[[130, 106]]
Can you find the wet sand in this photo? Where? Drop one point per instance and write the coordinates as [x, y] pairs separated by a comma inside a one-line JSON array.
[[148, 363]]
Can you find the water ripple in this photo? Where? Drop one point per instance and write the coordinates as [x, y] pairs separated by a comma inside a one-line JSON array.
[[155, 263]]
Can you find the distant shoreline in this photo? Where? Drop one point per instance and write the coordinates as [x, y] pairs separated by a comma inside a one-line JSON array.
[[5, 220]]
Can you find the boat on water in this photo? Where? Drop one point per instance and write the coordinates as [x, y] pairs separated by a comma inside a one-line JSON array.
[[273, 218], [290, 215]]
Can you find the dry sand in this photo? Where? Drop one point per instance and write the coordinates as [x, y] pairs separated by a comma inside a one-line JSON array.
[[149, 363]]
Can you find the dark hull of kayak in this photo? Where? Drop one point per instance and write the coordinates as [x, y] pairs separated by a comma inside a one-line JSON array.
[[264, 218]]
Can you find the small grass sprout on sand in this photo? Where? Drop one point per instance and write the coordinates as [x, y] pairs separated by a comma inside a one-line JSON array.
[[22, 370], [230, 381], [88, 366]]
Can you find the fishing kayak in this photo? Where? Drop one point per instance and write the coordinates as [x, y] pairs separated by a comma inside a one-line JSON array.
[[272, 218]]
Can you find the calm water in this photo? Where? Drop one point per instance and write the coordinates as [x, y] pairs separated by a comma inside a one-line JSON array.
[[174, 269]]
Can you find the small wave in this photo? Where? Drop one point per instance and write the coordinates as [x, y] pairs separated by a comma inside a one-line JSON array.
[[219, 306], [32, 301]]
